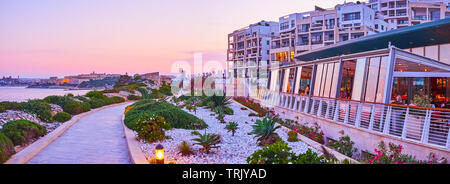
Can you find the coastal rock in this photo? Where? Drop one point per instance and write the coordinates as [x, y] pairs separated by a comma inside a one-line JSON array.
[[56, 109]]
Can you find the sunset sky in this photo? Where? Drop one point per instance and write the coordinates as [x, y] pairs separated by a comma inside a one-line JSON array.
[[42, 38]]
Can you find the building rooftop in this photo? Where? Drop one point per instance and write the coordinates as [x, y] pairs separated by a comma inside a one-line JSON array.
[[431, 33]]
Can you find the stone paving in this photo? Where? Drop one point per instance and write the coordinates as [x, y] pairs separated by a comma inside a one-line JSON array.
[[95, 139]]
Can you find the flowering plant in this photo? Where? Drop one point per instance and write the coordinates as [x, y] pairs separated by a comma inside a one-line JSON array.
[[251, 104], [313, 133], [391, 155]]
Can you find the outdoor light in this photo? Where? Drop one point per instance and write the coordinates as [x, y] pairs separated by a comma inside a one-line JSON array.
[[159, 154]]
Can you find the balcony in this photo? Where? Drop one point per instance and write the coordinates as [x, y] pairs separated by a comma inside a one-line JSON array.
[[420, 17]]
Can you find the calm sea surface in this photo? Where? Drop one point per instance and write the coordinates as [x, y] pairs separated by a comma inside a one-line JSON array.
[[21, 94]]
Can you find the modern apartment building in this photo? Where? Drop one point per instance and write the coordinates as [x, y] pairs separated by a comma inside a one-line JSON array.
[[248, 49], [402, 13], [305, 31]]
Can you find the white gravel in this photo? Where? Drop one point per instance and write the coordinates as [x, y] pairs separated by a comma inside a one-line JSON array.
[[233, 149]]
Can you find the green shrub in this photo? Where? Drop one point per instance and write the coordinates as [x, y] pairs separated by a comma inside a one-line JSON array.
[[144, 93], [292, 136], [116, 99], [74, 107], [277, 153], [208, 141], [22, 131], [58, 100], [228, 111], [184, 148], [151, 129], [311, 157], [344, 145], [156, 94], [2, 109], [40, 108], [133, 97], [6, 148], [82, 98], [166, 90], [15, 106], [62, 117], [171, 113], [95, 94], [98, 102]]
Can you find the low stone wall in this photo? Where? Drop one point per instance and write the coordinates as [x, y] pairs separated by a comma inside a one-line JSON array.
[[364, 139]]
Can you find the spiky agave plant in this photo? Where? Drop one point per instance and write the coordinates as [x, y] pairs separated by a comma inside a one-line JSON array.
[[208, 141], [264, 128], [232, 127], [220, 101]]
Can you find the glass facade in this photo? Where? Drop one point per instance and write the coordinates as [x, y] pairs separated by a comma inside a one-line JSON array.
[[305, 80], [365, 79], [348, 74]]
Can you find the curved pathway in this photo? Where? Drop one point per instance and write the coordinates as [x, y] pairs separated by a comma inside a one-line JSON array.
[[95, 139]]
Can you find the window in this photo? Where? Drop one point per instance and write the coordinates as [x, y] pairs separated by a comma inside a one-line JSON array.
[[284, 26], [292, 23], [372, 79], [352, 16], [318, 79], [375, 7], [348, 73], [305, 80], [376, 26], [316, 38], [305, 28], [358, 81]]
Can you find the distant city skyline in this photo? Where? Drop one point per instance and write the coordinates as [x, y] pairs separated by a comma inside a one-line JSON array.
[[46, 38]]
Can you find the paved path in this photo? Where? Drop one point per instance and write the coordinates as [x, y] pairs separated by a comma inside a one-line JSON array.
[[95, 139]]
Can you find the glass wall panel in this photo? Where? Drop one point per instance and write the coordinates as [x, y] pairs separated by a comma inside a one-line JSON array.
[[399, 90], [382, 78], [432, 52], [305, 80], [444, 53], [348, 74], [291, 79], [324, 79], [372, 79], [318, 80], [335, 80], [329, 80], [418, 51], [297, 79], [359, 79]]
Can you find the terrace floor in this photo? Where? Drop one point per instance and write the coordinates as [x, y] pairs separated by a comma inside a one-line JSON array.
[[95, 139]]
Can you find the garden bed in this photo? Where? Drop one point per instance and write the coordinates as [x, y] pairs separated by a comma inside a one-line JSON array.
[[233, 149]]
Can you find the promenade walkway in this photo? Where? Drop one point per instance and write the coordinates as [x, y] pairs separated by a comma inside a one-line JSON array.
[[95, 139]]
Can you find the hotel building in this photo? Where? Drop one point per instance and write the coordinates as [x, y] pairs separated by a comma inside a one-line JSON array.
[[371, 87], [402, 13], [248, 51]]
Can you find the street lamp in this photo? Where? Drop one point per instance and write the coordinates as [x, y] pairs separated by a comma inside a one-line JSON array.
[[159, 154]]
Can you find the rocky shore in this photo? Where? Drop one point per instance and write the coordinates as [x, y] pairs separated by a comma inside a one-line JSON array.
[[233, 149], [10, 115]]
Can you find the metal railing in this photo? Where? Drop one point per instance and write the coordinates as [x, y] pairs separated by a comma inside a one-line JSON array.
[[430, 126]]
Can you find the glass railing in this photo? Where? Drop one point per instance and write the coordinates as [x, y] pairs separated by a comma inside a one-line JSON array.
[[420, 17], [427, 126]]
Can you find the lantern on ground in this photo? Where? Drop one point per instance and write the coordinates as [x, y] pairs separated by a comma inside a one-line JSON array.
[[159, 154]]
